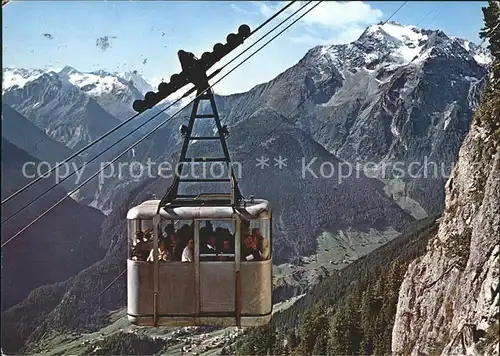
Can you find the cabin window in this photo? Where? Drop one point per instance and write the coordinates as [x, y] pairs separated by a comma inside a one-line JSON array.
[[177, 237], [140, 239], [256, 240], [217, 240]]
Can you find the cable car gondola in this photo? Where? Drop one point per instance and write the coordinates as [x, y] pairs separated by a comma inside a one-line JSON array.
[[230, 287], [222, 293]]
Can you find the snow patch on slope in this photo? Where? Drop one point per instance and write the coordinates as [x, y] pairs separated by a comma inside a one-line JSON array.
[[407, 42], [141, 84], [18, 77], [480, 54]]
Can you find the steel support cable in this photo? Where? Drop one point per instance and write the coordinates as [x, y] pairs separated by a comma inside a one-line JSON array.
[[109, 285], [124, 270], [395, 12], [76, 154], [157, 127], [272, 17], [148, 121], [285, 118]]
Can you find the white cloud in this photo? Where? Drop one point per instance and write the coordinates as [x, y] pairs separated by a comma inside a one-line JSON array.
[[267, 10], [155, 81], [329, 14], [339, 22], [328, 23], [242, 10], [345, 36]]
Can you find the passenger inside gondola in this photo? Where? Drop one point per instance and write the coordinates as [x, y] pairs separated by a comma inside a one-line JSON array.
[[226, 250], [249, 251], [169, 229], [141, 245], [175, 247], [185, 233], [188, 253], [262, 244], [210, 247], [163, 253]]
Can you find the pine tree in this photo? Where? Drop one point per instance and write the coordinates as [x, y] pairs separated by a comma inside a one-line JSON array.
[[291, 340], [337, 343], [345, 332], [266, 338], [367, 321], [491, 29], [259, 341], [320, 346], [300, 350], [314, 325], [279, 347], [491, 32]]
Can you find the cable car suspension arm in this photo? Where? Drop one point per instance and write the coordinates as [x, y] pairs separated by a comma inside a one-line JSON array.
[[153, 130], [102, 137]]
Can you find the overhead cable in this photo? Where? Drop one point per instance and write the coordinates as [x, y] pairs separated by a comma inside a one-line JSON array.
[[132, 132], [160, 125], [91, 144]]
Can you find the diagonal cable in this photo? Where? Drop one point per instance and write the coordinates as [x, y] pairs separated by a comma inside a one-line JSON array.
[[76, 154], [157, 127], [142, 125]]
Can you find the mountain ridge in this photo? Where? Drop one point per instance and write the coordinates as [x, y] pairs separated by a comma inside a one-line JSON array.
[[369, 108], [23, 255]]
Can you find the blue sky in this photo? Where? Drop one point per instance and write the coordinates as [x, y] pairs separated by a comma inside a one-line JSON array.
[[156, 30]]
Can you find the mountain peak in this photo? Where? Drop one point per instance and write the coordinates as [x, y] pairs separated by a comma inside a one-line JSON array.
[[102, 73], [392, 23], [392, 44], [394, 32], [137, 81], [18, 77], [68, 70]]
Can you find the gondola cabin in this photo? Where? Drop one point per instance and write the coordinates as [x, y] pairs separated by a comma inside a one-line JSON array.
[[205, 258], [221, 283]]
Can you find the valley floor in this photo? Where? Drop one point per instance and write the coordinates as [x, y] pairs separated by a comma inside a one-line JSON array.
[[335, 251], [185, 340]]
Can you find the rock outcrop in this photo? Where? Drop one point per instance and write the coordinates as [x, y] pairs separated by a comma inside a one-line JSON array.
[[449, 299]]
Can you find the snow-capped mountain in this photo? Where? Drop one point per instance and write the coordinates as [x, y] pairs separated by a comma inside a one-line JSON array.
[[137, 81], [480, 54], [60, 108], [397, 93], [75, 108], [392, 45], [18, 77], [114, 92]]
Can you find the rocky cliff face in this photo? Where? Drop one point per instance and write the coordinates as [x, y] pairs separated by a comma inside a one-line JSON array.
[[449, 299]]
